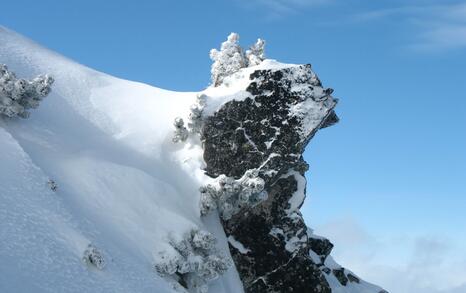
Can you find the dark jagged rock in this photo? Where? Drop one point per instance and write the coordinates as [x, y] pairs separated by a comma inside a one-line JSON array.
[[321, 246], [353, 278], [330, 120], [309, 278], [340, 275], [269, 131]]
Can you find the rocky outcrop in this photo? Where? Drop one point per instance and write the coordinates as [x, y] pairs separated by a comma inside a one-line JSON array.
[[272, 247]]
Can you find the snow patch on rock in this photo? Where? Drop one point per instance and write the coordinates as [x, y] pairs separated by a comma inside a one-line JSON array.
[[238, 245]]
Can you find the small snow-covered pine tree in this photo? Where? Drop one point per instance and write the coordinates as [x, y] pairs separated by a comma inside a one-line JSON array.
[[19, 95], [256, 53], [228, 60], [201, 239], [52, 185], [195, 116], [168, 261], [92, 256], [181, 133], [192, 261], [195, 120], [229, 196]]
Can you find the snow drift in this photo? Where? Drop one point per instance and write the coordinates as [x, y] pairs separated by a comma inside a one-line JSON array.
[[122, 184]]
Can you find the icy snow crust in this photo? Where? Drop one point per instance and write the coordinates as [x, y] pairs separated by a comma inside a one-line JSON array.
[[123, 185]]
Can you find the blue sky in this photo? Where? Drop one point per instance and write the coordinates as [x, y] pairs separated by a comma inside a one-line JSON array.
[[388, 183]]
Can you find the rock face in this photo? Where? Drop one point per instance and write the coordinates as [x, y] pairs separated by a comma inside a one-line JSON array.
[[272, 247]]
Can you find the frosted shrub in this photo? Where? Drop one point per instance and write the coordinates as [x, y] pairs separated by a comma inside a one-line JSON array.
[[195, 116], [192, 261], [256, 54], [194, 123], [231, 58], [181, 133], [52, 185], [202, 239], [19, 95], [228, 60], [93, 257], [229, 196]]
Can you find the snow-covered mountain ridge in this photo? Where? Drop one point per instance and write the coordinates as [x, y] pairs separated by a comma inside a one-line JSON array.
[[123, 185]]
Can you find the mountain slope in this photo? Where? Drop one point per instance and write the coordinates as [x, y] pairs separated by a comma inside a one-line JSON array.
[[125, 189]]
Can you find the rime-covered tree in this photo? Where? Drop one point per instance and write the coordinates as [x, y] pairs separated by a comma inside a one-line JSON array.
[[195, 116], [19, 95], [229, 196], [228, 60], [93, 257], [256, 53], [52, 185], [181, 133], [192, 261], [195, 120]]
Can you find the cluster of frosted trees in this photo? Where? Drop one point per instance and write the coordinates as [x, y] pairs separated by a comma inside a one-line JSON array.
[[226, 61], [231, 58], [229, 196], [192, 261], [17, 95], [194, 121]]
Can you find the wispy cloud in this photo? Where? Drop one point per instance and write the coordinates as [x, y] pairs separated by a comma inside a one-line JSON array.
[[281, 8], [432, 26], [435, 27], [399, 263], [442, 36]]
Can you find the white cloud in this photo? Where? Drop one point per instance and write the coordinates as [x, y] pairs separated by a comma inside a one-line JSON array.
[[280, 8], [436, 27], [399, 263], [442, 36]]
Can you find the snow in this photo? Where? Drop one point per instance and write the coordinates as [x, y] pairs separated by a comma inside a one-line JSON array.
[[238, 245], [315, 258], [312, 111], [269, 143], [291, 244], [123, 185], [351, 287], [297, 198], [294, 243]]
